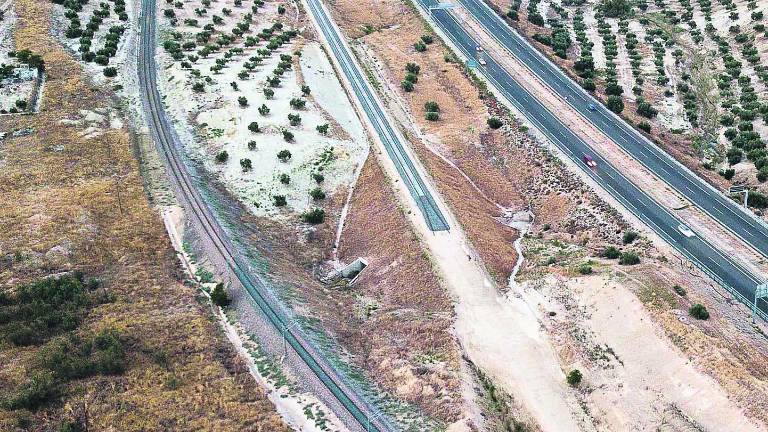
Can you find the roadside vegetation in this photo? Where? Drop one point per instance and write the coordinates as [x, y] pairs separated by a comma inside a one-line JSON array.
[[689, 73]]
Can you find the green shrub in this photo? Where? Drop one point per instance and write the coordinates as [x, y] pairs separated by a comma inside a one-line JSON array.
[[615, 104], [420, 46], [298, 103], [679, 290], [629, 237], [279, 200], [728, 173], [407, 86], [322, 129], [698, 311], [38, 390], [585, 269], [284, 155], [432, 116], [254, 127], [219, 296], [629, 258], [318, 178], [412, 68], [574, 378], [494, 123], [314, 216], [246, 164], [110, 72], [43, 309], [427, 39], [615, 8], [222, 156], [317, 194], [431, 106]]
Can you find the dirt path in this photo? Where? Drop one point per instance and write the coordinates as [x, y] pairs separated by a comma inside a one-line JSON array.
[[501, 336]]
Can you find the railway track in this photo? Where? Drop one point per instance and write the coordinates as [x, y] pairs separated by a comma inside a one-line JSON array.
[[366, 417]]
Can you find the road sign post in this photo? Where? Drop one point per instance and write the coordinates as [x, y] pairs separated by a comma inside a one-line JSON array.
[[440, 6], [761, 292], [740, 190]]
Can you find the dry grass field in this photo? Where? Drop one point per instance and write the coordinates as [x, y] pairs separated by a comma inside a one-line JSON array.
[[74, 201]]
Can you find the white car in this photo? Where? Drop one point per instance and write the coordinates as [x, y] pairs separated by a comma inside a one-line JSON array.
[[482, 62], [479, 48], [686, 231]]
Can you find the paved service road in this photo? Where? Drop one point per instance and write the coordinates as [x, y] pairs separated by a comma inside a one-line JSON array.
[[378, 119], [726, 271], [197, 209], [732, 216]]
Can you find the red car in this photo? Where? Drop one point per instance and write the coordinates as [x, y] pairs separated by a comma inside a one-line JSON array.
[[589, 161]]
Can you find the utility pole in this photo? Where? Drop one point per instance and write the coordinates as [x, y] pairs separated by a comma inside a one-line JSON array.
[[284, 330]]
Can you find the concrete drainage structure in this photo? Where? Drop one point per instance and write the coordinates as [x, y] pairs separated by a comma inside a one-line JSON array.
[[348, 274]]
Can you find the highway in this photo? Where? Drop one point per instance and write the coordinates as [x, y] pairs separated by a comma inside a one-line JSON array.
[[721, 208], [378, 118], [723, 269], [198, 211]]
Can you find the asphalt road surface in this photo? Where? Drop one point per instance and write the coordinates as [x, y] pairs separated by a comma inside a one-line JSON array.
[[723, 269]]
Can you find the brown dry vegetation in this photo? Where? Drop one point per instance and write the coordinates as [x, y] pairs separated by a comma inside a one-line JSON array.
[[461, 133], [506, 167], [404, 343], [62, 213], [407, 339]]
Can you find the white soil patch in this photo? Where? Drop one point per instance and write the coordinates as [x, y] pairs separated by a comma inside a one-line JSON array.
[[649, 374], [598, 51], [21, 84], [223, 124], [125, 48]]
